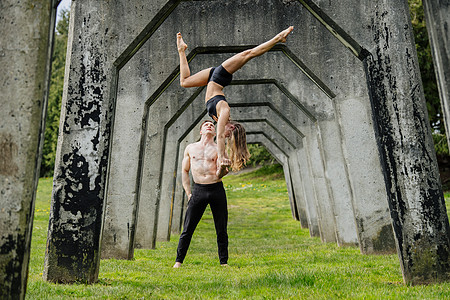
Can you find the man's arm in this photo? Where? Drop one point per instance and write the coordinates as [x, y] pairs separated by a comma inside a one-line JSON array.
[[186, 166]]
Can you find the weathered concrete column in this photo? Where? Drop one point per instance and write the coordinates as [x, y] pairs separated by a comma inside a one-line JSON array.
[[179, 198], [25, 51], [298, 188], [310, 195], [437, 15], [352, 111], [329, 136], [77, 199], [324, 207], [103, 36], [404, 138]]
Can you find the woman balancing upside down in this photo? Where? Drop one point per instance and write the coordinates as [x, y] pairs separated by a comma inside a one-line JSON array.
[[215, 80]]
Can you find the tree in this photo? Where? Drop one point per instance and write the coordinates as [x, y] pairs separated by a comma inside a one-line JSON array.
[[55, 94], [426, 66]]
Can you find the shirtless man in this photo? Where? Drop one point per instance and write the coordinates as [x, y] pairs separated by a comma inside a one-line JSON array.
[[201, 159]]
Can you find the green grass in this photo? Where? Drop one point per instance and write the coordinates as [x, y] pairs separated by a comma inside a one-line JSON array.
[[271, 257]]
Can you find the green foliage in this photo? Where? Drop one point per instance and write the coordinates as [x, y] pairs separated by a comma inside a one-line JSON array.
[[271, 257], [55, 95], [440, 144], [62, 28], [426, 65], [259, 155]]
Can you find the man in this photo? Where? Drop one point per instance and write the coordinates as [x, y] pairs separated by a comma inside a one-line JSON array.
[[201, 159]]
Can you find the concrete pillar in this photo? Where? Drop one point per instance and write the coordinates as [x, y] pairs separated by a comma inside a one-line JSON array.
[[290, 189], [25, 52], [179, 198], [103, 37], [73, 240], [120, 207], [437, 15], [297, 185], [371, 216], [310, 195], [412, 179], [324, 206], [351, 109], [330, 137]]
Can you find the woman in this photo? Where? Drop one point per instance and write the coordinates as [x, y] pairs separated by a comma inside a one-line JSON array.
[[215, 80]]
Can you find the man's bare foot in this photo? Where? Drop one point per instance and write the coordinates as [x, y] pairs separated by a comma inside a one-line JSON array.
[[177, 265], [181, 45], [224, 265], [282, 35]]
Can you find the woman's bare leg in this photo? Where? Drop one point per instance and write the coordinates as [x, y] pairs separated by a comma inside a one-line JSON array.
[[186, 80], [236, 62]]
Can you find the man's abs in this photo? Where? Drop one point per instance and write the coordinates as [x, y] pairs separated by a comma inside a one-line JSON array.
[[205, 178]]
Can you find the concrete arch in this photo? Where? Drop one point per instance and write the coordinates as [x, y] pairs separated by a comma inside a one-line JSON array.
[[177, 163], [200, 108], [312, 207], [165, 213], [151, 100], [87, 120], [119, 191], [205, 50]]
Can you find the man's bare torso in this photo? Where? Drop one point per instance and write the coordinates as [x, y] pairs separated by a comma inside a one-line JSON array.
[[203, 159]]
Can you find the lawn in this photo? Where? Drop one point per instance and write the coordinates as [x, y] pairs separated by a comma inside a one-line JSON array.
[[271, 257]]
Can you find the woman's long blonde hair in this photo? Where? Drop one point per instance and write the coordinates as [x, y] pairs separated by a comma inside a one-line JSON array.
[[237, 147]]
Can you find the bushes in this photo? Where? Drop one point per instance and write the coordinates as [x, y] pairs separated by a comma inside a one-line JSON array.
[[259, 155], [440, 144]]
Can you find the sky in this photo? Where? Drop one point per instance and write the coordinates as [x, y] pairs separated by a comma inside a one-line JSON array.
[[63, 4]]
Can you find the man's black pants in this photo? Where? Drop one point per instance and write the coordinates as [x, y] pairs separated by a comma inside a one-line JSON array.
[[202, 195]]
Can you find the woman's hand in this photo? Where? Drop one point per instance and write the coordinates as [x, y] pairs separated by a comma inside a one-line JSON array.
[[223, 161]]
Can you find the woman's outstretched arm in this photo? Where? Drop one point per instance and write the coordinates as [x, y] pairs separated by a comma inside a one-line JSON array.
[[223, 120]]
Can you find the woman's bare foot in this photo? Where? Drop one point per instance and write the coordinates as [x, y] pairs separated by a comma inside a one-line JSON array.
[[177, 265], [282, 35], [181, 45]]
